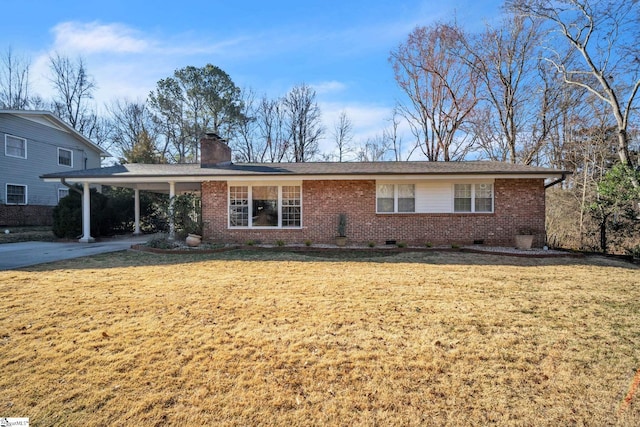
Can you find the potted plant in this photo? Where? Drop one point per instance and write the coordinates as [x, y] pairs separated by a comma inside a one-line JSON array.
[[194, 233], [341, 238], [524, 238], [193, 240]]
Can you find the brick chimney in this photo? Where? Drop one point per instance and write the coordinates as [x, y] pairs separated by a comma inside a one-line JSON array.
[[214, 151]]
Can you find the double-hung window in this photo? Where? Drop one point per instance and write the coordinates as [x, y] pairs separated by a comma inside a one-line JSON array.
[[65, 157], [16, 194], [271, 206], [395, 198], [15, 146], [473, 198], [239, 206], [291, 206]]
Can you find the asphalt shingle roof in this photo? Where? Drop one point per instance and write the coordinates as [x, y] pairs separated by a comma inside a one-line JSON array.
[[138, 170]]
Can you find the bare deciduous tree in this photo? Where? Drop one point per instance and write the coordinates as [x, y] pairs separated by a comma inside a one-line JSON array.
[[505, 59], [133, 133], [441, 88], [272, 122], [596, 49], [303, 118], [246, 148], [74, 89], [343, 135], [393, 136], [14, 81], [374, 150]]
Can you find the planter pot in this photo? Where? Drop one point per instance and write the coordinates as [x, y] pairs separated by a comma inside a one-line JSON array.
[[194, 240], [524, 241], [341, 241]]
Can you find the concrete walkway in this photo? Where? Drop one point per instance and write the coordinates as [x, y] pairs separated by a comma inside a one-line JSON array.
[[24, 254]]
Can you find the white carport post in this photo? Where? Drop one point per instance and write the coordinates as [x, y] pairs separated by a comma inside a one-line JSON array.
[[136, 210], [86, 214], [172, 225]]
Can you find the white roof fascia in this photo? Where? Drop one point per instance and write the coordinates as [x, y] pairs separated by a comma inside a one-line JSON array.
[[245, 178]]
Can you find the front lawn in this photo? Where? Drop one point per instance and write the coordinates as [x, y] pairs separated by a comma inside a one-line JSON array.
[[265, 337]]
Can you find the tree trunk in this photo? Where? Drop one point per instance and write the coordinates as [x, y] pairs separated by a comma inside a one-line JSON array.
[[603, 234], [623, 153]]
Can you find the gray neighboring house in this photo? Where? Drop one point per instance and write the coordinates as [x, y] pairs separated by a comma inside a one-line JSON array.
[[34, 143]]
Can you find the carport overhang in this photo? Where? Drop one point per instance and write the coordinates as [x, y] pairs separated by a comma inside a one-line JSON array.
[[164, 185]]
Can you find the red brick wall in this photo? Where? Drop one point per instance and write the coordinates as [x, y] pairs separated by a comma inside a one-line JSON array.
[[519, 203]]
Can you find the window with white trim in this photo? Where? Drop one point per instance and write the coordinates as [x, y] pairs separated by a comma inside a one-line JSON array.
[[270, 206], [291, 206], [483, 198], [65, 157], [62, 193], [473, 198], [16, 194], [395, 198], [239, 206], [15, 146]]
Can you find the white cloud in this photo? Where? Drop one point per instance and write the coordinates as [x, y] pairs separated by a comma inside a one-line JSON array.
[[93, 37], [119, 57], [368, 121], [324, 88]]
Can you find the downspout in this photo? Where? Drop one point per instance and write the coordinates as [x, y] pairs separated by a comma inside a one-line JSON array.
[[63, 181]]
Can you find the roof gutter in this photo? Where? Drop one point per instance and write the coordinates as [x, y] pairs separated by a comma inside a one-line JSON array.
[[557, 181]]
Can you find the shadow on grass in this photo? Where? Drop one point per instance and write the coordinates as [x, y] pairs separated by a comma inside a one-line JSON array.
[[135, 258]]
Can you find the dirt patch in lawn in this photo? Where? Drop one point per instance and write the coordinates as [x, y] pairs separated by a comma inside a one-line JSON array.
[[274, 338]]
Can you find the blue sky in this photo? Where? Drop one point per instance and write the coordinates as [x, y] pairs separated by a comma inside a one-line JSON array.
[[340, 48]]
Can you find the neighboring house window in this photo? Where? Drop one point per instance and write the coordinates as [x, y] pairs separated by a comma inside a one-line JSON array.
[[15, 146], [16, 194], [62, 193], [473, 198], [396, 198], [265, 206], [65, 157]]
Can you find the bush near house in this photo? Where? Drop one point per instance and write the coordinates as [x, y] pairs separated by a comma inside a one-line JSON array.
[[67, 216], [112, 212]]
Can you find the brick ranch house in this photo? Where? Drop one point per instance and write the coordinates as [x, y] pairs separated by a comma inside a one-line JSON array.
[[410, 202]]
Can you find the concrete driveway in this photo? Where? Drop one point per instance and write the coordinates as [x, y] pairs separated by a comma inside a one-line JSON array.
[[24, 254]]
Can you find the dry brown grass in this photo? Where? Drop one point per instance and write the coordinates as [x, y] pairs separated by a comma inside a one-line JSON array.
[[270, 338]]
